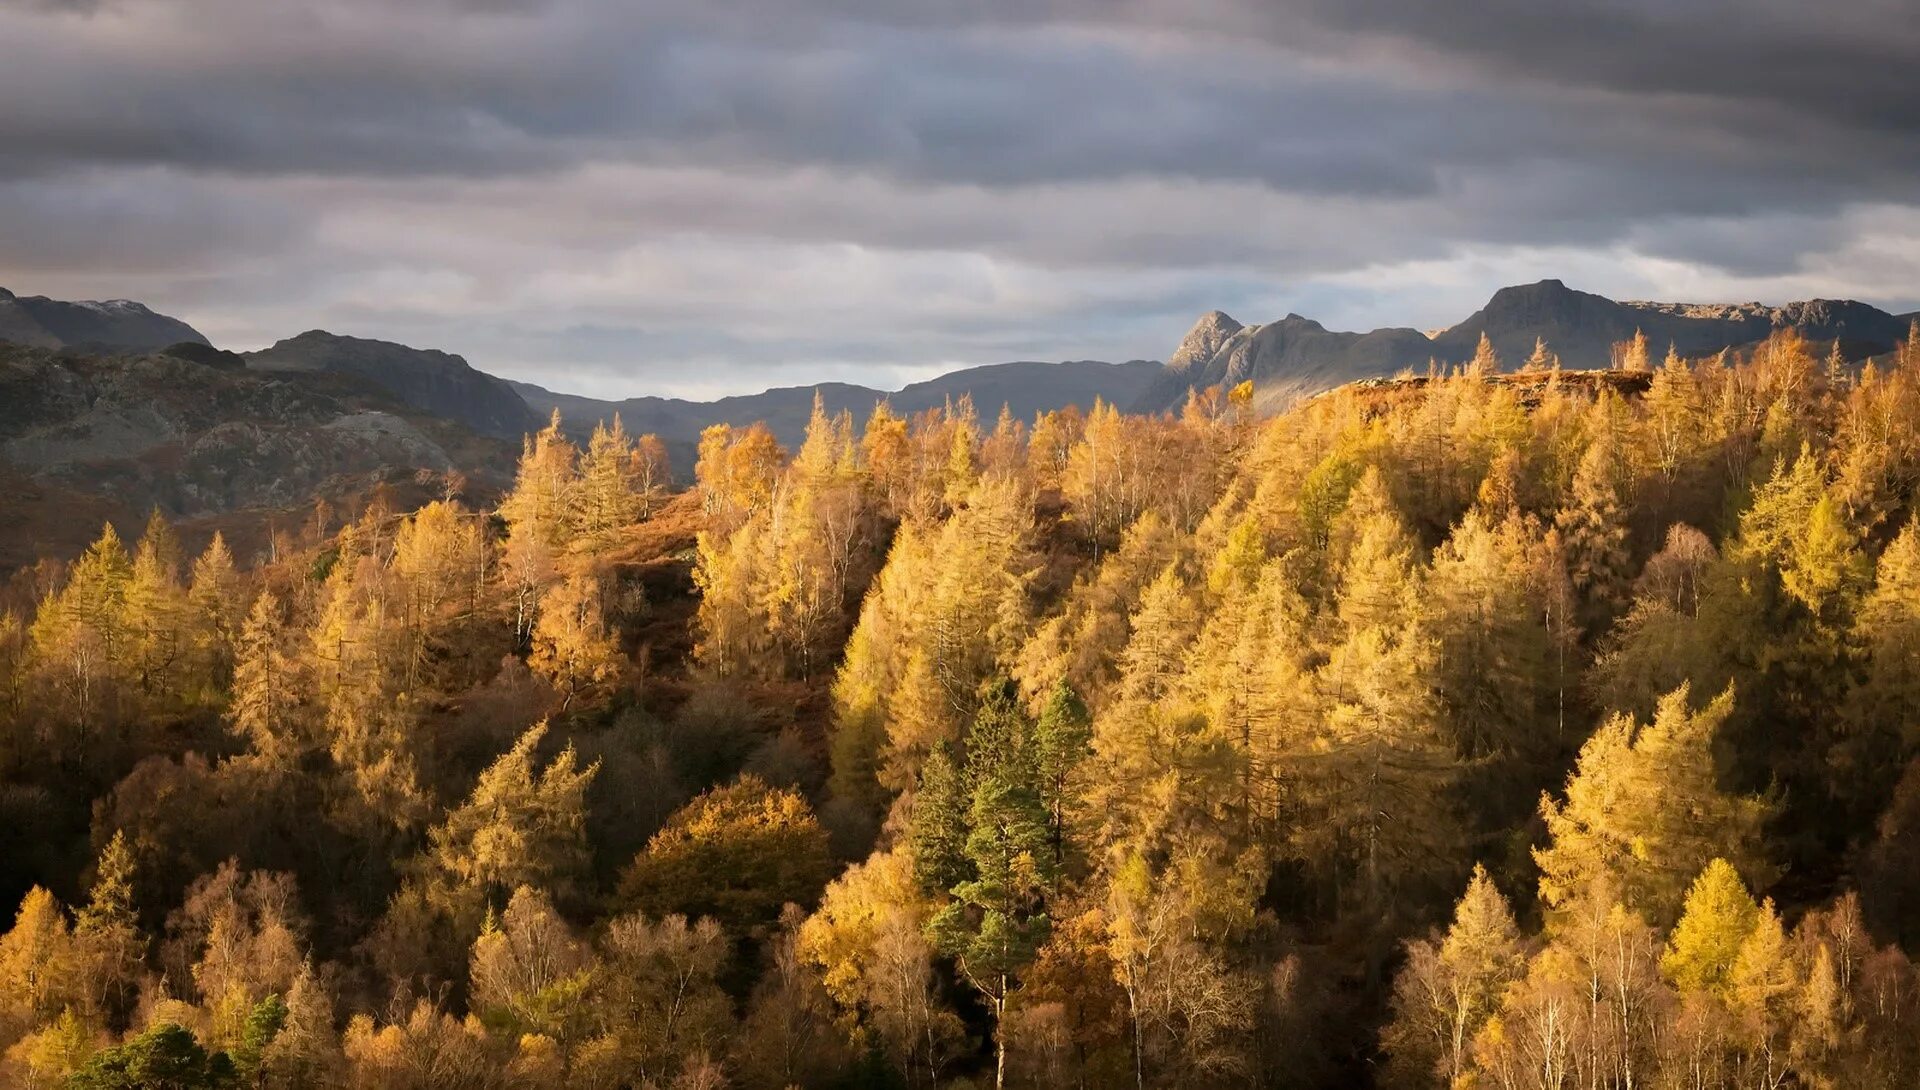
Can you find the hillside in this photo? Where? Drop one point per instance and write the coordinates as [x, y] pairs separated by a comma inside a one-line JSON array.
[[195, 435], [1298, 356], [1364, 736], [427, 379]]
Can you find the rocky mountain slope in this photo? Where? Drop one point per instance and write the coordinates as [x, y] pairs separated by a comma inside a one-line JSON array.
[[41, 322], [1582, 328], [428, 380], [1297, 356], [1025, 388], [1284, 359], [203, 438]]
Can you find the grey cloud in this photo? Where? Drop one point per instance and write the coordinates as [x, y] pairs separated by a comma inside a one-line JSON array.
[[1841, 63], [633, 183]]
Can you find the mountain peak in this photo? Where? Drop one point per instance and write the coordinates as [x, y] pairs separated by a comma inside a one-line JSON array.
[[1539, 294], [115, 324], [1214, 329]]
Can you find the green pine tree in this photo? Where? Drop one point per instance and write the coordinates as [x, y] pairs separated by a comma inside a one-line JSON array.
[[996, 920]]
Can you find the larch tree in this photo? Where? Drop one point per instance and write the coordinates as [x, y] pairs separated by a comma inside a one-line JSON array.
[[1541, 359], [79, 634], [522, 825], [961, 470], [818, 548], [1632, 355], [35, 956], [539, 513], [156, 618], [731, 574], [608, 497], [1593, 528], [1883, 710], [1675, 418], [1764, 993], [1381, 765], [305, 1054], [887, 453], [219, 606], [573, 650], [1163, 628], [1485, 362], [948, 608], [1081, 643], [108, 943], [868, 938], [737, 470], [1644, 810], [1714, 924], [356, 665], [442, 563], [1493, 650], [1827, 571], [1050, 448], [263, 709], [1451, 985], [1251, 670]]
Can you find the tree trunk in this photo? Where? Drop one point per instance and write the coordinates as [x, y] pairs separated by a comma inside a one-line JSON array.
[[1000, 1038]]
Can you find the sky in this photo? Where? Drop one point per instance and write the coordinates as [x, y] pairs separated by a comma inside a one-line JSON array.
[[698, 197]]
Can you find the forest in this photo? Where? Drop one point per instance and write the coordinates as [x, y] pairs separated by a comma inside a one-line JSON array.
[[1507, 726]]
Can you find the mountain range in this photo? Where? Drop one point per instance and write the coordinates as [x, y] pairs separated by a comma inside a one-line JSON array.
[[1025, 389], [109, 408], [1298, 356]]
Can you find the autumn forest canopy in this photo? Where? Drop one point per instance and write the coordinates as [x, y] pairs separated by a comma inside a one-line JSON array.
[[1489, 728]]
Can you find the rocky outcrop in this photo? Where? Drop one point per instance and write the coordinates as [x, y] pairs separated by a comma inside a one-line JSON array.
[[1284, 360], [1208, 335], [40, 322], [429, 380]]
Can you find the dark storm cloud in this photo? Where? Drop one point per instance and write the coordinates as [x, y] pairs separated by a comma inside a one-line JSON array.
[[1845, 64], [909, 180]]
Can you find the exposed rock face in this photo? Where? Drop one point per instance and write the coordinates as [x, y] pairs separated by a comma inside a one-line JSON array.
[[1297, 356], [40, 322], [1025, 388], [432, 381], [1203, 341], [1285, 360]]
